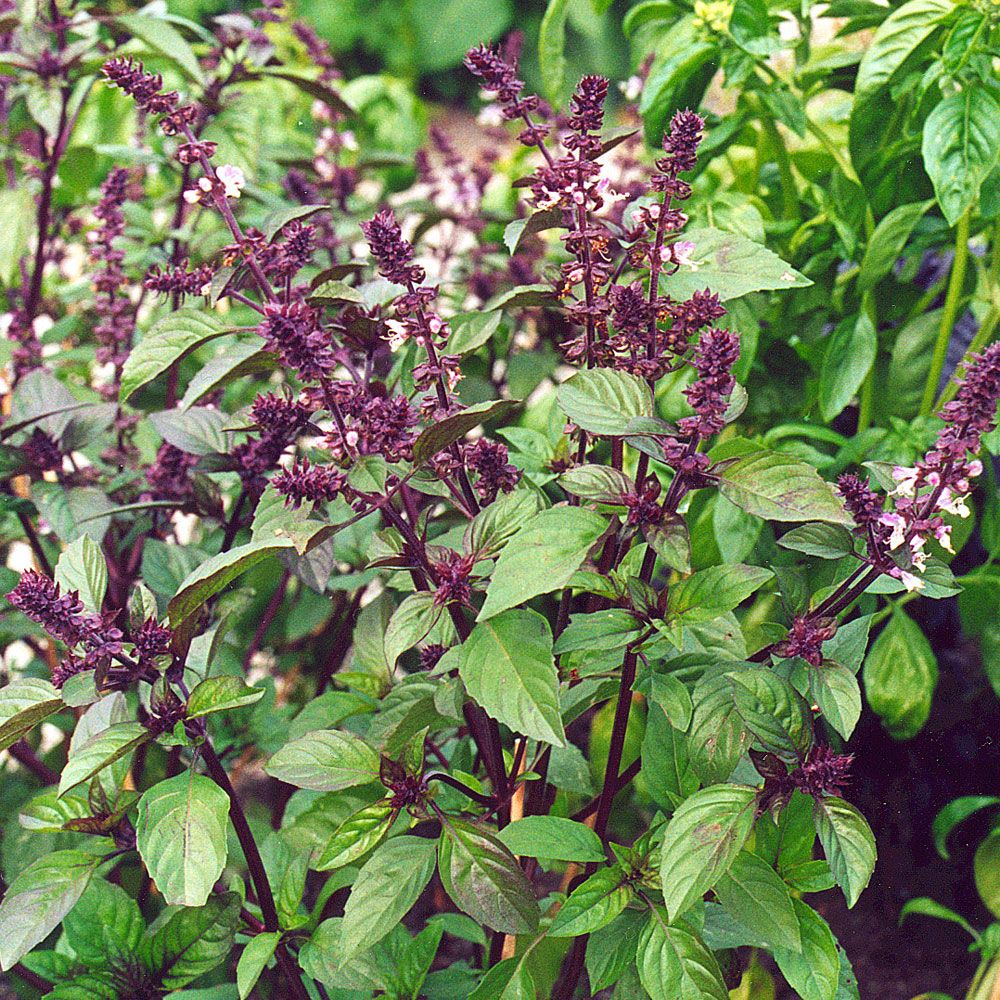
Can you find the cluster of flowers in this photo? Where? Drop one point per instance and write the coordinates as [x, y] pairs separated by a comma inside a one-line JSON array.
[[117, 317], [821, 773], [937, 485], [414, 318], [93, 641]]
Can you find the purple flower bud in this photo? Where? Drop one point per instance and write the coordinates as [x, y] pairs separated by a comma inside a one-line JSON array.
[[303, 482], [490, 460], [392, 252]]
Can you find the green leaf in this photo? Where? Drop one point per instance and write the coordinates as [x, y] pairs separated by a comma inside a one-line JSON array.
[[38, 899], [666, 768], [612, 628], [259, 950], [320, 957], [82, 568], [552, 50], [220, 694], [611, 949], [954, 813], [780, 488], [100, 751], [387, 886], [814, 971], [717, 738], [848, 843], [410, 623], [594, 903], [521, 297], [542, 557], [508, 668], [836, 691], [931, 908], [825, 541], [163, 37], [677, 79], [675, 964], [700, 842], [731, 265], [82, 510], [900, 675], [237, 361], [986, 871], [471, 330], [88, 986], [105, 921], [24, 703], [887, 242], [496, 524], [750, 26], [181, 836], [552, 837], [714, 591], [325, 761], [537, 222], [604, 400], [896, 38], [596, 482], [445, 432], [960, 147], [850, 354], [218, 572], [197, 431], [166, 342], [671, 541], [17, 214], [356, 836], [909, 363], [484, 879], [185, 942], [773, 711], [753, 893]]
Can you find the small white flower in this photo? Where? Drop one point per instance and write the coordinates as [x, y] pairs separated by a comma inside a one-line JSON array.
[[490, 116], [906, 479], [232, 179], [953, 503], [898, 525], [348, 141], [631, 88], [910, 581], [398, 333], [192, 196], [943, 534], [679, 253]]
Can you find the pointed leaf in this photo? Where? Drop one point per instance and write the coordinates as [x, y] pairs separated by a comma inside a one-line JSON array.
[[326, 760], [387, 886], [181, 834], [508, 668], [848, 843], [700, 842], [484, 879]]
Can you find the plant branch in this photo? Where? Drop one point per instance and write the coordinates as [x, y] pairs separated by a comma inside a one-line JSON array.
[[948, 315]]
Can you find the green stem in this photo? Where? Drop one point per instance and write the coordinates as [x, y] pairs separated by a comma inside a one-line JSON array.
[[789, 191], [989, 325], [951, 304], [866, 404]]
